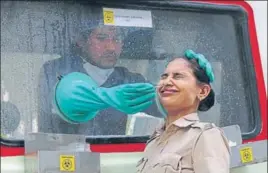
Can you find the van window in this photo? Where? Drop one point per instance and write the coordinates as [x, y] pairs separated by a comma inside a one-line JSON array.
[[42, 40]]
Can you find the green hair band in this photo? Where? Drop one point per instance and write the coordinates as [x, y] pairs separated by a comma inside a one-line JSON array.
[[203, 63]]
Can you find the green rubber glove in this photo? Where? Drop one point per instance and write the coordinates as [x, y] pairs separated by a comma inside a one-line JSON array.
[[128, 98], [72, 102], [78, 99]]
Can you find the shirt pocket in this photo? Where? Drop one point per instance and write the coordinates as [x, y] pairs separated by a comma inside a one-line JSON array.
[[141, 164], [168, 163]]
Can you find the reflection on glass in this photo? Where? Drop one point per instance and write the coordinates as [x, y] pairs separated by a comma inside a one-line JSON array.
[[42, 40]]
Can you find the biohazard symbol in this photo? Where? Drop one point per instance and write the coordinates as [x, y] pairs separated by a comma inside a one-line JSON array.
[[246, 154], [108, 17], [67, 163]]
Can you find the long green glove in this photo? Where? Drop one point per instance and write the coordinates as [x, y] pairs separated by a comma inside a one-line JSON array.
[[74, 104], [78, 98], [128, 98]]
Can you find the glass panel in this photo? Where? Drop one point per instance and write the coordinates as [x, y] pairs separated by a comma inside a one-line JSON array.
[[41, 40]]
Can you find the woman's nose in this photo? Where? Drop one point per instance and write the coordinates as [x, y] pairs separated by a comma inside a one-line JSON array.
[[167, 81]]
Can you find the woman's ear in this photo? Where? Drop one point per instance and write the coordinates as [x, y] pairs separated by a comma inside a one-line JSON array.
[[204, 91]]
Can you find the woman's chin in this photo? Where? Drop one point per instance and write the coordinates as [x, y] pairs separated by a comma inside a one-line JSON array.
[[168, 103]]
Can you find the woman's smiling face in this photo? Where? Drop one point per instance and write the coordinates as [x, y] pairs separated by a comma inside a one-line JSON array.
[[178, 87]]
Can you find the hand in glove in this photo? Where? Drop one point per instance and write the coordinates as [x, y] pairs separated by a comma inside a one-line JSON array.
[[128, 98], [78, 98]]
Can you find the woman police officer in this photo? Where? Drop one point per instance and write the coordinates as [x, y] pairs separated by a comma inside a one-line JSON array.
[[184, 144]]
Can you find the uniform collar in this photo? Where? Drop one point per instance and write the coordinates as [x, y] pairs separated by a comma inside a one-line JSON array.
[[186, 120], [182, 122]]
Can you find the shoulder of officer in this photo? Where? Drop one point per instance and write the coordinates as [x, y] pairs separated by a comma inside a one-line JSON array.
[[203, 125]]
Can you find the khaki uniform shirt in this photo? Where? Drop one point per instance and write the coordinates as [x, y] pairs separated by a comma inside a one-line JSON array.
[[186, 146]]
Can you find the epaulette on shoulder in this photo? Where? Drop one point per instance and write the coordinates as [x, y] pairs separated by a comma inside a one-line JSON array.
[[203, 126], [153, 136]]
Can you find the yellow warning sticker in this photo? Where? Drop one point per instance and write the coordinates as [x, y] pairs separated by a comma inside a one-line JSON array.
[[108, 17], [127, 17], [246, 154], [67, 163]]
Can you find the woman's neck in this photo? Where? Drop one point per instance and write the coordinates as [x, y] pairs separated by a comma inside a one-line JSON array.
[[175, 115]]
